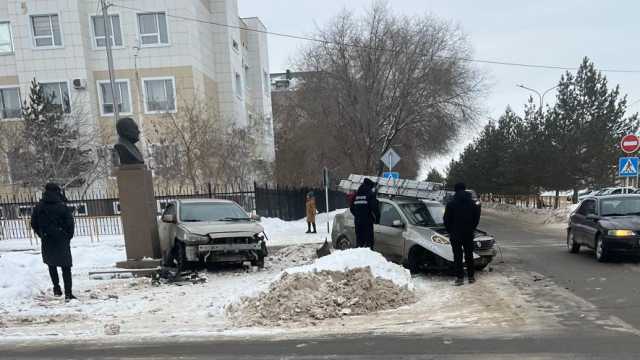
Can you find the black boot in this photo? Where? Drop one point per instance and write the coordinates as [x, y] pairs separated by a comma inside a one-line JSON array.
[[53, 272], [308, 228], [66, 277], [459, 281], [314, 228]]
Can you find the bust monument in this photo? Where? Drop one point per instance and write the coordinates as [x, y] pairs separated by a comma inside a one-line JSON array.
[[128, 135]]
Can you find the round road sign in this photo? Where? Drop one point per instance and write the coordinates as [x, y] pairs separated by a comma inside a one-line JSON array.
[[630, 143]]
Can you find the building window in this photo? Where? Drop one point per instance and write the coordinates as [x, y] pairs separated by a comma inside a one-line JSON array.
[[10, 103], [58, 93], [100, 34], [238, 86], [159, 95], [152, 29], [6, 43], [46, 31], [106, 98]]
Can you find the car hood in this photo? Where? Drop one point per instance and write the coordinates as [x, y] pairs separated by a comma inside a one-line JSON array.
[[422, 236], [225, 228], [631, 222]]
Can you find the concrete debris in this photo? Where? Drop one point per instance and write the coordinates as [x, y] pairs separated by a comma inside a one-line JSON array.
[[309, 297]]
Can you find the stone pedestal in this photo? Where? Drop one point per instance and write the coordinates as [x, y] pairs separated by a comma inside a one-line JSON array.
[[138, 212]]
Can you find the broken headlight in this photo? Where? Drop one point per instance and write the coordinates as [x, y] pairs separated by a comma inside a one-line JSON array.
[[196, 238], [440, 240]]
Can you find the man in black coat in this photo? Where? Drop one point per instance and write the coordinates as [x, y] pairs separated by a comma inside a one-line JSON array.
[[461, 217], [52, 221], [366, 213]]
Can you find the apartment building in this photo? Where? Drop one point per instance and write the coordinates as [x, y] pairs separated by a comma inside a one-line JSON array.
[[165, 53]]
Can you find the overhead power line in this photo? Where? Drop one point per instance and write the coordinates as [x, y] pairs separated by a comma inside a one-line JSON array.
[[308, 38]]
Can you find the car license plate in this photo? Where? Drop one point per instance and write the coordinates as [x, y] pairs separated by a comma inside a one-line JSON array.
[[229, 247]]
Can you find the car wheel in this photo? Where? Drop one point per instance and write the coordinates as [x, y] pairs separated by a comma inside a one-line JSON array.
[[482, 263], [259, 263], [416, 259], [601, 250], [572, 245], [342, 243]]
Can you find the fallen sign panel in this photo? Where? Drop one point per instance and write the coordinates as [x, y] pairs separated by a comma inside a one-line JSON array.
[[397, 187]]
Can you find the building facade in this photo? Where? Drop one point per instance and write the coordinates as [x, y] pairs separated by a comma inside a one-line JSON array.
[[165, 53]]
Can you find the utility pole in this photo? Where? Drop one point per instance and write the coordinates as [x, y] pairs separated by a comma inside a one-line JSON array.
[[109, 36]]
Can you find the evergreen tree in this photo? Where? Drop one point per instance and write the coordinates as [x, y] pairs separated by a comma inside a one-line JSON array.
[[435, 176], [584, 128], [53, 149]]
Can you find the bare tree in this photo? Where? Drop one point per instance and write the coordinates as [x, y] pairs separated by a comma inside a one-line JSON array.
[[197, 146], [382, 81]]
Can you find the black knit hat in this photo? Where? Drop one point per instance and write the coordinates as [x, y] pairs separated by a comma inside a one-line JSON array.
[[459, 187], [52, 187]]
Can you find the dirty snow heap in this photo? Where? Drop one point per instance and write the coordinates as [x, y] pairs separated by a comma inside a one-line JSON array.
[[349, 282]]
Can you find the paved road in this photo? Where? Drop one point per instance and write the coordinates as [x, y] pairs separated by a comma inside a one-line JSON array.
[[607, 289], [614, 287]]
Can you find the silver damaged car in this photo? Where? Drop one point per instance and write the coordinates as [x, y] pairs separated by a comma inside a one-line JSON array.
[[210, 231], [411, 232]]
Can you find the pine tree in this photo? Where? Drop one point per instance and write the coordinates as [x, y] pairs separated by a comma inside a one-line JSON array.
[[53, 150], [584, 128], [435, 176]]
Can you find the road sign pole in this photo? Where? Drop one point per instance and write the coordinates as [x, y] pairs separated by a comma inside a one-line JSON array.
[[325, 176]]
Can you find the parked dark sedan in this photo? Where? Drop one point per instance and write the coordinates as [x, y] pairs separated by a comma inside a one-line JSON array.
[[606, 224]]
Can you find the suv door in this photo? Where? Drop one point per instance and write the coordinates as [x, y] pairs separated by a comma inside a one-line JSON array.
[[388, 239]]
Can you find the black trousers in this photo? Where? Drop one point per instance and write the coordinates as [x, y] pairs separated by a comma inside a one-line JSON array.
[[66, 277], [463, 244], [364, 235]]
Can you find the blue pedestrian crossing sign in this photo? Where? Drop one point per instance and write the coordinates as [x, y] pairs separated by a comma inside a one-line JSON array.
[[391, 175], [628, 166]]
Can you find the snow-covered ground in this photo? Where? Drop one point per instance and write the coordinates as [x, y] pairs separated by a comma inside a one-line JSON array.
[[554, 217], [139, 308], [282, 233]]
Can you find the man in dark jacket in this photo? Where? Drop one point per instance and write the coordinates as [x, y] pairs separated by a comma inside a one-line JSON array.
[[366, 213], [461, 217], [52, 221]]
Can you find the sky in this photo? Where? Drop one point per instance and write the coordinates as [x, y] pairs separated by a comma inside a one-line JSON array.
[[543, 32]]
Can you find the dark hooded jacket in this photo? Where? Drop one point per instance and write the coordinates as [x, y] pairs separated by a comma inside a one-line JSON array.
[[365, 207], [462, 215], [52, 221]]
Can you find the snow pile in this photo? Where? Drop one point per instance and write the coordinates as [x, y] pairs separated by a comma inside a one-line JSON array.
[[349, 282], [359, 258], [543, 216], [309, 297]]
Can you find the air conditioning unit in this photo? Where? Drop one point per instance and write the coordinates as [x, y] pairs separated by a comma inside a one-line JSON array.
[[79, 84]]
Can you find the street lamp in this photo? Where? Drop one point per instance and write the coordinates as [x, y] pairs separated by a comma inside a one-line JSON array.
[[541, 96]]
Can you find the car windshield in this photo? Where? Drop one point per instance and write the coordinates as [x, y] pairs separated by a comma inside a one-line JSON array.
[[197, 212], [421, 214], [620, 206]]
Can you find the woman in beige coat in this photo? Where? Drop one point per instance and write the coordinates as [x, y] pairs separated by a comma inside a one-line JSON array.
[[311, 213]]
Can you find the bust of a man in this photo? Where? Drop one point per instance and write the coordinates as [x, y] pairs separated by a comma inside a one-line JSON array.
[[128, 135]]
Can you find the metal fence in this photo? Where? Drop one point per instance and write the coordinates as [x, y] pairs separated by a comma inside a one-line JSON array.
[[289, 203], [97, 214]]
